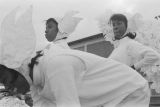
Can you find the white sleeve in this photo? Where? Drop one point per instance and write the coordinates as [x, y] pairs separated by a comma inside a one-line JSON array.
[[147, 55], [63, 84], [149, 58]]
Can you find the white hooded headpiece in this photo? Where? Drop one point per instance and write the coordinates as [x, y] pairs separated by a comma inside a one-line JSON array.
[[67, 24]]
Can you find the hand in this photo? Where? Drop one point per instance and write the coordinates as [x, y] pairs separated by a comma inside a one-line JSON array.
[[28, 100], [133, 67]]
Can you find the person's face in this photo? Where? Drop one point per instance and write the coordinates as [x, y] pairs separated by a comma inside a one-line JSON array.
[[51, 31], [119, 29]]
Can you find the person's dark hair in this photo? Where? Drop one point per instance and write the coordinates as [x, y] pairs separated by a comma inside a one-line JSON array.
[[34, 62], [131, 35], [51, 20], [18, 80], [4, 69], [119, 17]]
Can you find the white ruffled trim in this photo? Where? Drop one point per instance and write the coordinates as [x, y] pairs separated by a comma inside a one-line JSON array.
[[12, 102], [153, 75]]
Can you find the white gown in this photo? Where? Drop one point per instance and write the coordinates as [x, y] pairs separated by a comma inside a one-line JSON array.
[[70, 78], [62, 43], [131, 52]]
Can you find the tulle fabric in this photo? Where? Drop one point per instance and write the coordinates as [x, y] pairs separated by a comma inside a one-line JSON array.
[[11, 101]]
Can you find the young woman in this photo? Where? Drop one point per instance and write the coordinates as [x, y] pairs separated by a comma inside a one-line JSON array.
[[127, 50]]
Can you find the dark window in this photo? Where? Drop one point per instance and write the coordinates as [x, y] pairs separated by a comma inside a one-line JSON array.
[[102, 48], [80, 48]]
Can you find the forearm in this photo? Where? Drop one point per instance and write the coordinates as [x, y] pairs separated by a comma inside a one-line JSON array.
[[148, 60]]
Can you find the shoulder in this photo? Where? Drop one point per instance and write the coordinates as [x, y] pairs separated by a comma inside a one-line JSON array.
[[135, 44], [64, 60]]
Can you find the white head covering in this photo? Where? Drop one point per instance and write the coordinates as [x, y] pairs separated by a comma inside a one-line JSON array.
[[18, 39], [67, 24]]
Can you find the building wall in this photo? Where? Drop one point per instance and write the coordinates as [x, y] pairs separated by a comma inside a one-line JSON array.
[[96, 46]]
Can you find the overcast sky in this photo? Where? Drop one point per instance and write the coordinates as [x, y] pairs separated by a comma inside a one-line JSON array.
[[89, 10]]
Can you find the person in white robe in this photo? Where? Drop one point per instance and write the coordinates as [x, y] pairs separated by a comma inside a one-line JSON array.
[[129, 51], [85, 71], [58, 29], [70, 78]]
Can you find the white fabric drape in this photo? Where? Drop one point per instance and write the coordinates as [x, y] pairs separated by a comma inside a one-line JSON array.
[[70, 78]]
